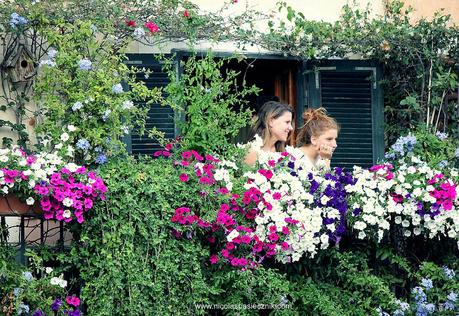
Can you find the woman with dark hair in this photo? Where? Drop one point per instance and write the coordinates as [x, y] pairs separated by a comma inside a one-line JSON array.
[[273, 125], [316, 139]]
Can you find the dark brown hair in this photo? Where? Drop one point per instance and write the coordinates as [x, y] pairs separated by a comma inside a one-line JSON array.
[[270, 110], [316, 122]]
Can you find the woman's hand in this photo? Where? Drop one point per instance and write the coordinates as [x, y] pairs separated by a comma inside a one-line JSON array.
[[326, 152]]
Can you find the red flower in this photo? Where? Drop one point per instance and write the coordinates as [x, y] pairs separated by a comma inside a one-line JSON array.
[[130, 23], [213, 259], [186, 14], [184, 177], [152, 27]]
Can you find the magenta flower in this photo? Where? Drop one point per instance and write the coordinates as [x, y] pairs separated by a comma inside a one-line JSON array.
[[213, 259], [184, 177], [73, 300], [87, 203], [152, 27]]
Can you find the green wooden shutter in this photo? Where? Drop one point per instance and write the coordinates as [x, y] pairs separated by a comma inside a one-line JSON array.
[[350, 93], [161, 117], [347, 98]]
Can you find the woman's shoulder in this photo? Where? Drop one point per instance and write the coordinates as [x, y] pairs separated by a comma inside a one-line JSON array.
[[302, 159], [251, 157]]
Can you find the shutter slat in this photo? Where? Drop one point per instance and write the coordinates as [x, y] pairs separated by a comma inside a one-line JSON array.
[[347, 98], [161, 117]]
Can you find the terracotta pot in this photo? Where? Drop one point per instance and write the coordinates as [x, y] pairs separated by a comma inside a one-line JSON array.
[[10, 205]]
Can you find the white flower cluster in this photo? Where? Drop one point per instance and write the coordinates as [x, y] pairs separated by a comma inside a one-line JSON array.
[[16, 168], [59, 281], [417, 198], [287, 210]]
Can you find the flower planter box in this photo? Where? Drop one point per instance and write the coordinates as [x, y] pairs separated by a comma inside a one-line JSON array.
[[10, 205]]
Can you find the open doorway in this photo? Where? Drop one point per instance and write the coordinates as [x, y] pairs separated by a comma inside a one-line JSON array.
[[275, 77]]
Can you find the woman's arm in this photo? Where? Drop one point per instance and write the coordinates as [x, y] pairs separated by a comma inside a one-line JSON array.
[[251, 158]]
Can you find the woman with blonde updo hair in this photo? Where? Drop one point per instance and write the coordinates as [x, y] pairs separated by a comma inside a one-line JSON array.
[[273, 125], [316, 139]]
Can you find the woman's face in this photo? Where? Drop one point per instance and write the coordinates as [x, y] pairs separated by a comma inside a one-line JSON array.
[[327, 138], [280, 127]]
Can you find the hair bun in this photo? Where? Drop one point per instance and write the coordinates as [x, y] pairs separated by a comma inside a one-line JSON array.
[[314, 114]]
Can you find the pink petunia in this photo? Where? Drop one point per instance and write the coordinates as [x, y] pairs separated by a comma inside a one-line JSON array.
[[73, 300], [285, 245], [184, 177], [87, 203], [285, 230], [245, 239], [213, 259], [152, 27]]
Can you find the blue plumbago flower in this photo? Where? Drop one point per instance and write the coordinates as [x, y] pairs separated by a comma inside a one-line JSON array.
[[117, 88], [101, 159], [449, 272], [389, 156], [83, 144], [17, 291], [139, 33], [106, 115], [456, 153], [98, 149], [449, 306], [404, 306], [23, 309], [430, 308], [76, 106], [427, 283], [443, 164], [52, 53], [419, 294], [380, 312], [402, 143], [398, 312], [85, 64], [17, 20], [452, 297], [127, 105], [441, 136], [125, 129], [27, 275], [47, 62]]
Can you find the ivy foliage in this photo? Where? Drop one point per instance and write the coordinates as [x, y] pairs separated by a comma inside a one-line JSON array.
[[212, 105], [131, 263]]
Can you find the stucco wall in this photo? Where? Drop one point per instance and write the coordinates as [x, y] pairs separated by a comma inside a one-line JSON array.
[[427, 8], [329, 11]]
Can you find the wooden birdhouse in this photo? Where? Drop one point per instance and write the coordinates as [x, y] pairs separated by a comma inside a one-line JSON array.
[[20, 65]]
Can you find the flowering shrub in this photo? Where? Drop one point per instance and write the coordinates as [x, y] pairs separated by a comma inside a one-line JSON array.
[[63, 191], [416, 197], [89, 94], [437, 150], [435, 293], [279, 210], [39, 291], [298, 212]]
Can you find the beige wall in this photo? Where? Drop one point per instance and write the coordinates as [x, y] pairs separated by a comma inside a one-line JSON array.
[[426, 8], [326, 10]]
